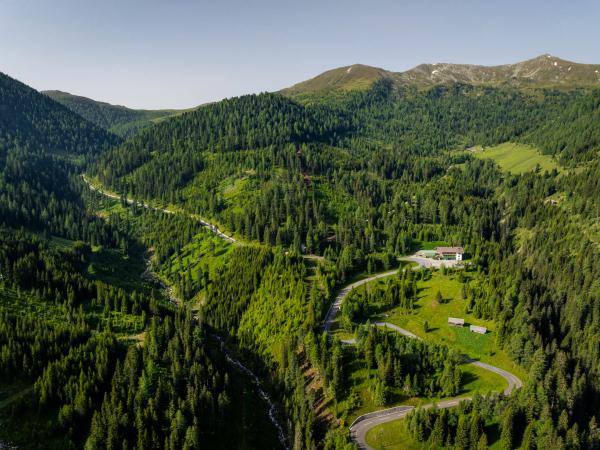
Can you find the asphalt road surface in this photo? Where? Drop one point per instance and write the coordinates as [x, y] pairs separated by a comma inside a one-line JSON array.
[[432, 263], [334, 309], [360, 427]]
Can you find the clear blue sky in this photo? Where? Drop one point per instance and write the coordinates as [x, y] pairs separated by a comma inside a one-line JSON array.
[[175, 53]]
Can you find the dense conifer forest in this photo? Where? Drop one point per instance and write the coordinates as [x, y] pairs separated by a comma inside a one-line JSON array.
[[317, 192]]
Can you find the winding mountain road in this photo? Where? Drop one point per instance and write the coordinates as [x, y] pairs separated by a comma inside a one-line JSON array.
[[131, 201], [334, 309], [360, 427]]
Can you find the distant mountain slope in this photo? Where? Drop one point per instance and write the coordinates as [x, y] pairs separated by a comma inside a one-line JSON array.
[[545, 71], [41, 144], [32, 121], [118, 119], [355, 77]]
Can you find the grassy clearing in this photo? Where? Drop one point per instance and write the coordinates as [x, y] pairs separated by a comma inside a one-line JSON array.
[[516, 158], [110, 265], [475, 380], [106, 265], [205, 254], [481, 381], [11, 392], [427, 309], [394, 435], [21, 303], [32, 430], [430, 245]]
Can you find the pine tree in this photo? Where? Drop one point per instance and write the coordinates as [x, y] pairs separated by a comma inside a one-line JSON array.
[[462, 434], [506, 434]]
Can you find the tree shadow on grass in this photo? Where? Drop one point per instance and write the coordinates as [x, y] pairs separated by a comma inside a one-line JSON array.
[[467, 378]]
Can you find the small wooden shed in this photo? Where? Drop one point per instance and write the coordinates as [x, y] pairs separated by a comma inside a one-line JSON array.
[[478, 329], [456, 322]]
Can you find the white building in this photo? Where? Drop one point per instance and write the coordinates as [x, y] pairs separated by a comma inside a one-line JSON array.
[[449, 253]]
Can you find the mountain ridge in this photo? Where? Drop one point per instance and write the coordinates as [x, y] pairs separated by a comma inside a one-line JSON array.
[[544, 71], [118, 119]]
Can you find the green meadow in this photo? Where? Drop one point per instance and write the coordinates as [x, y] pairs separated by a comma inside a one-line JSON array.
[[516, 158], [394, 435], [427, 309], [474, 380]]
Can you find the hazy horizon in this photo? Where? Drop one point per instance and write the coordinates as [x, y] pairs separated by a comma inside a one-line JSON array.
[[156, 55]]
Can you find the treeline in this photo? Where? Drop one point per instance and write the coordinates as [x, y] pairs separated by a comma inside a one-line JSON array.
[[247, 122], [122, 121], [461, 428], [513, 421]]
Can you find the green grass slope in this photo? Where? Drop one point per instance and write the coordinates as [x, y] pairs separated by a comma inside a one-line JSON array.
[[342, 79], [516, 158]]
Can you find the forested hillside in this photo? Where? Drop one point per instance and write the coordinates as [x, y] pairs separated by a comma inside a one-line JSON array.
[[75, 312], [120, 120], [34, 122], [361, 179], [312, 165], [219, 343]]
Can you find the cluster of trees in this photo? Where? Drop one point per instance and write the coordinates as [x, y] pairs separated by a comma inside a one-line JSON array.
[[27, 343], [462, 428], [397, 364], [169, 393], [515, 421], [56, 306], [365, 301], [75, 382], [416, 367]]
